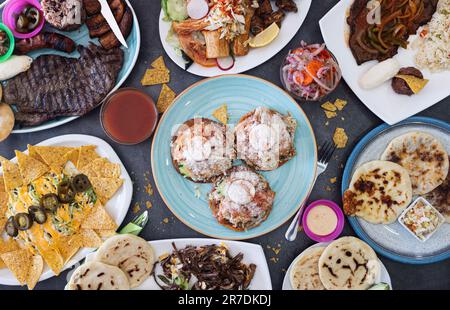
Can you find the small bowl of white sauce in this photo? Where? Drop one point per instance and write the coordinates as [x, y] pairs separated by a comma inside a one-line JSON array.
[[323, 220]]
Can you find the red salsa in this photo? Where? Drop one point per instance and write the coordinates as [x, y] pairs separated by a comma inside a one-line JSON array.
[[129, 116]]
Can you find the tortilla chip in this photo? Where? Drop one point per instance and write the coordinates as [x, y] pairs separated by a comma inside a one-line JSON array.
[[18, 262], [159, 63], [54, 156], [53, 259], [105, 233], [69, 246], [73, 156], [86, 156], [340, 104], [90, 239], [7, 246], [34, 271], [105, 188], [221, 114], [98, 218], [11, 175], [33, 153], [103, 168], [340, 138], [2, 184], [155, 77], [165, 99], [330, 114], [30, 168], [414, 83], [3, 208], [328, 106]]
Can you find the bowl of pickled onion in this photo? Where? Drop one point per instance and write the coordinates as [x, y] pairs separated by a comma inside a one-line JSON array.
[[310, 72]]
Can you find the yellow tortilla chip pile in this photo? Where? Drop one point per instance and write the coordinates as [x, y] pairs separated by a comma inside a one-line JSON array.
[[340, 138], [330, 109], [221, 114], [158, 74], [25, 255]]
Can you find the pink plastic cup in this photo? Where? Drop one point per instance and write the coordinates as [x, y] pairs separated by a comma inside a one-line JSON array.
[[15, 7], [340, 221]]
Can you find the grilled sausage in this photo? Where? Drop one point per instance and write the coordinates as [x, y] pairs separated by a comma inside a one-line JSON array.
[[45, 40], [109, 40]]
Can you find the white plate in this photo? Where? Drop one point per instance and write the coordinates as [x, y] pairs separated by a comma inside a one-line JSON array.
[[383, 101], [384, 275], [82, 37], [291, 24], [117, 206], [253, 254]]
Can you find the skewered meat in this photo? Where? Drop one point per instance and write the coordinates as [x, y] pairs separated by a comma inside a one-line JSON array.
[[67, 15], [109, 40], [61, 86], [45, 40], [287, 5]]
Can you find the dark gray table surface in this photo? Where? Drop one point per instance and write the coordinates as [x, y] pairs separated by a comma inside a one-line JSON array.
[[358, 120]]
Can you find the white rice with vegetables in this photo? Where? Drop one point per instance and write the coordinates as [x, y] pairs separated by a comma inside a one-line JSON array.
[[434, 42]]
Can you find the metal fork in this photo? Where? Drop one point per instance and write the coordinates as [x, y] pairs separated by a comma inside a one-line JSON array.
[[325, 152]]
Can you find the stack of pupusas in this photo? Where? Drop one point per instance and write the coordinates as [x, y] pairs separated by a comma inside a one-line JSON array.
[[203, 151], [51, 205], [345, 264], [413, 164], [121, 263]]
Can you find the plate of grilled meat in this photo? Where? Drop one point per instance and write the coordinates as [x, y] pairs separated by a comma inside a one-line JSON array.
[[69, 67], [212, 37]]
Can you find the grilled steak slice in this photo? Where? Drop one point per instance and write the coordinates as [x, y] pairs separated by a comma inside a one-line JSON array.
[[60, 86], [362, 50], [92, 7]]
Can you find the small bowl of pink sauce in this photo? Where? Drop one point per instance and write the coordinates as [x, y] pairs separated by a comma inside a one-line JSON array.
[[323, 221]]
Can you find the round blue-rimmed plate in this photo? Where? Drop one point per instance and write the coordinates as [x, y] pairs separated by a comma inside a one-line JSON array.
[[81, 37], [392, 240], [292, 182]]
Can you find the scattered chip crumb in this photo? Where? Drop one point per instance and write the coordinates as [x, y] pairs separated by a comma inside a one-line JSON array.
[[276, 250], [343, 118], [328, 188], [340, 138], [136, 207], [148, 204], [330, 114], [327, 123], [165, 220], [165, 98], [340, 104], [274, 260], [333, 180], [149, 189], [328, 106]]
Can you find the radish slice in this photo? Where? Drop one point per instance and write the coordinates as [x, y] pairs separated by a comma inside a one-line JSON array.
[[197, 9], [225, 63]]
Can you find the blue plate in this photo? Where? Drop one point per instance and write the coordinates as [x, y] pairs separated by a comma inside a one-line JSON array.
[[392, 240], [292, 182], [81, 37]]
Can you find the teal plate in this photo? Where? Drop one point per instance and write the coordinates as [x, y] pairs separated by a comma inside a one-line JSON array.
[[81, 37], [292, 182]]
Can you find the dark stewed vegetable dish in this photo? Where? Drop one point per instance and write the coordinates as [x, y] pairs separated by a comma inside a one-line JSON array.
[[4, 43]]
